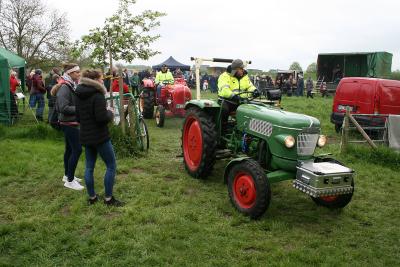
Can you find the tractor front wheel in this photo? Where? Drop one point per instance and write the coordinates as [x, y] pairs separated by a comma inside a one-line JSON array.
[[334, 202], [199, 142], [160, 116], [249, 188]]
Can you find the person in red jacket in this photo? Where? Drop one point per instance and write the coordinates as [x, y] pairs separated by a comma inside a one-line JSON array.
[[14, 83], [115, 86]]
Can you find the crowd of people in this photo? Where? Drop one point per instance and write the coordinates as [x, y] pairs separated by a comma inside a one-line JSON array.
[[82, 115]]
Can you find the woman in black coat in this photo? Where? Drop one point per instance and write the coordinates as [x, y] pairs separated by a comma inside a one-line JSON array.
[[94, 135]]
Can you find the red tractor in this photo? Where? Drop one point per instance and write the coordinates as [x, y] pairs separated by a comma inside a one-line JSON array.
[[172, 100]]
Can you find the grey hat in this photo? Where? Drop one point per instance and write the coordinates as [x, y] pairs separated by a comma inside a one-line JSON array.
[[236, 64]]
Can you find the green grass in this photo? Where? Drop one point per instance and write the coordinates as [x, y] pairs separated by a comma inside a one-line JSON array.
[[171, 219]]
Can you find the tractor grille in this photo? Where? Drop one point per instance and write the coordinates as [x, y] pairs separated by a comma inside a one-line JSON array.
[[306, 143]]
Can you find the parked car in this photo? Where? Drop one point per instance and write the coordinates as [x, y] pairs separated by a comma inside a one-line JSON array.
[[366, 96]]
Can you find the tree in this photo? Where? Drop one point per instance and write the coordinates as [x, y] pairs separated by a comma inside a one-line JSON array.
[[123, 36], [23, 31], [295, 66], [312, 68]]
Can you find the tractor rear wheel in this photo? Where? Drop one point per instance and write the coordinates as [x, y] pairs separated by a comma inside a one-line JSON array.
[[160, 116], [199, 142], [334, 202], [249, 188], [147, 103]]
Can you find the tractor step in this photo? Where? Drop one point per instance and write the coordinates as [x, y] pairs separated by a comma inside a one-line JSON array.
[[223, 153]]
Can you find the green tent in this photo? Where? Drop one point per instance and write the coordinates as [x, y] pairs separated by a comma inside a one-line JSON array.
[[359, 64], [8, 61]]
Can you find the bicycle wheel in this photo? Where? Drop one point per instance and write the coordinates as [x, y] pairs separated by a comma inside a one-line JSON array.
[[142, 135]]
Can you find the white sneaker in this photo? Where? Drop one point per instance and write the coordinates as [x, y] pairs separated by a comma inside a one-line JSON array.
[[65, 179], [75, 185]]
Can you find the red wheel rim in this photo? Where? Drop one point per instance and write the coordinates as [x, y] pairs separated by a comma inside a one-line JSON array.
[[329, 198], [244, 190], [192, 143]]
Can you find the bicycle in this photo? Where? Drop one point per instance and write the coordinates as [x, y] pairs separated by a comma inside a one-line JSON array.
[[131, 106]]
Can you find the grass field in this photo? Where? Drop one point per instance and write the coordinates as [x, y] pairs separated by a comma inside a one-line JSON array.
[[171, 219]]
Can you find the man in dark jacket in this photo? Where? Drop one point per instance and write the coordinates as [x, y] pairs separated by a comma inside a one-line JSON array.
[[300, 85], [94, 117], [51, 100], [37, 94]]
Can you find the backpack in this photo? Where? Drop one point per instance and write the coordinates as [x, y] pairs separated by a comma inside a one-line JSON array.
[[53, 119]]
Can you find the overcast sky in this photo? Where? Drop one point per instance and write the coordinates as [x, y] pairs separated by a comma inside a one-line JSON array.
[[271, 33]]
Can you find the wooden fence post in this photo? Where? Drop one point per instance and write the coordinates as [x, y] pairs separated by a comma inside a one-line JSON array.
[[131, 120], [345, 131], [121, 101], [363, 133]]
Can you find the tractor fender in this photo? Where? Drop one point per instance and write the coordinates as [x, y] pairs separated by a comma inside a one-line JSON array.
[[210, 106], [202, 104], [231, 164]]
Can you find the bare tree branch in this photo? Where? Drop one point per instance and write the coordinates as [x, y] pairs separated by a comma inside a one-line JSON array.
[[27, 28]]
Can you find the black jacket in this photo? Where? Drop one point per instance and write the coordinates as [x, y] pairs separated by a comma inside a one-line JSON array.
[[65, 102], [92, 113]]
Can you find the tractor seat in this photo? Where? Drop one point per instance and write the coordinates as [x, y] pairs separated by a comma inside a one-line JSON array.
[[232, 114]]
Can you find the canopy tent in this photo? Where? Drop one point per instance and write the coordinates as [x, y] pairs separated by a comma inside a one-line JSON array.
[[8, 61], [172, 64], [359, 64]]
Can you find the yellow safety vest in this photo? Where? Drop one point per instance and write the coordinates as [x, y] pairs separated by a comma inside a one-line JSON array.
[[167, 76], [229, 85]]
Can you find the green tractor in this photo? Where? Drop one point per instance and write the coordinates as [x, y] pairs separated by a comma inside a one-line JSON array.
[[266, 145]]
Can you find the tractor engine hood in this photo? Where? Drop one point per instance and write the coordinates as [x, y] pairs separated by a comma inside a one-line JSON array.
[[275, 116]]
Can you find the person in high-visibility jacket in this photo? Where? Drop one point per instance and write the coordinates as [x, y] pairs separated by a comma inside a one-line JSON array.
[[163, 77], [234, 85]]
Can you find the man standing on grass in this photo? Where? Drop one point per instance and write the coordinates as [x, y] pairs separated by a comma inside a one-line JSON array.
[[310, 87], [37, 92]]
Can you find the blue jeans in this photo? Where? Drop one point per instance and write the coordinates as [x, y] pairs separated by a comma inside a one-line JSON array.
[[159, 90], [37, 99], [73, 150], [106, 152]]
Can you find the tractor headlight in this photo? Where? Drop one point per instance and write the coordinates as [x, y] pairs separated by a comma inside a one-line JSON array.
[[289, 141], [169, 101], [321, 141]]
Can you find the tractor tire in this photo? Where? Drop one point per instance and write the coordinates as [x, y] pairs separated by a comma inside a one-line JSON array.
[[148, 105], [199, 143], [249, 188], [334, 202], [160, 116]]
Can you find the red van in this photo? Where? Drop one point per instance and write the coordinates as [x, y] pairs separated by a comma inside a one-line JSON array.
[[366, 96]]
